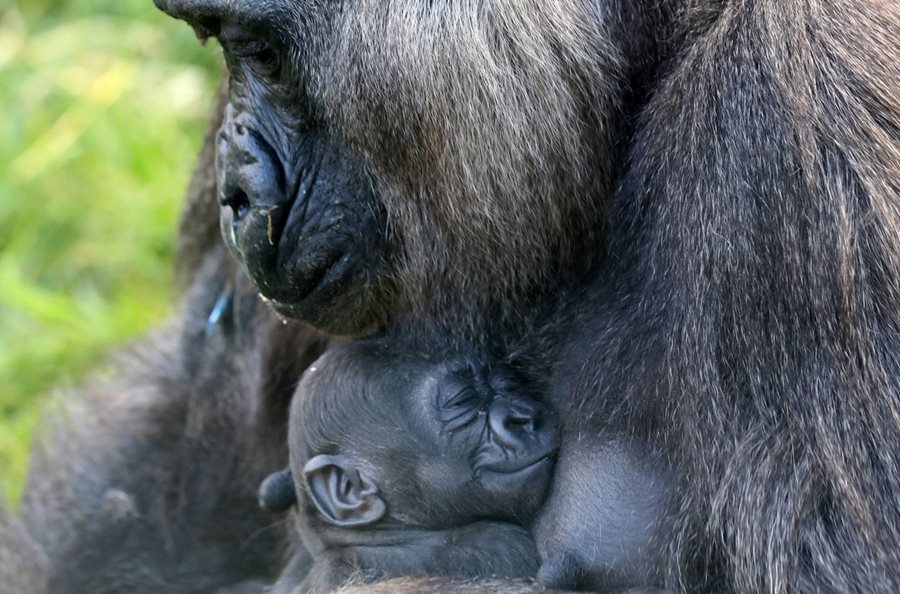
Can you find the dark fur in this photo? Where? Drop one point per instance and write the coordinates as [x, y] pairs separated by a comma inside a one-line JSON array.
[[749, 323], [445, 586]]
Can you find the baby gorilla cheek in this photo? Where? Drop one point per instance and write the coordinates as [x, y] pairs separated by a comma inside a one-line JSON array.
[[446, 482]]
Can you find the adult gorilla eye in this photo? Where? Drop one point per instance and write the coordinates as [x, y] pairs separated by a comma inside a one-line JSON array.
[[259, 55], [263, 60]]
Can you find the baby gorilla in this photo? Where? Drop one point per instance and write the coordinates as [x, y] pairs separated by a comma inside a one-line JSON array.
[[404, 465]]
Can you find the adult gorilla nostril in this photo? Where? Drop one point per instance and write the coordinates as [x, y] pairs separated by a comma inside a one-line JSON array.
[[240, 206], [239, 203]]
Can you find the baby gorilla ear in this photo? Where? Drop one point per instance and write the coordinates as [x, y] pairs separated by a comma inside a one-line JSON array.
[[343, 495]]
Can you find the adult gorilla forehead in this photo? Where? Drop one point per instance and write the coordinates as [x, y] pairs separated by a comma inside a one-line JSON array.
[[211, 17]]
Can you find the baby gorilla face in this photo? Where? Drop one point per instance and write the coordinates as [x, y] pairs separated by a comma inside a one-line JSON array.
[[376, 430], [490, 445]]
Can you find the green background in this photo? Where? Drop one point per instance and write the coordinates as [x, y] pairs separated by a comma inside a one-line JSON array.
[[104, 104]]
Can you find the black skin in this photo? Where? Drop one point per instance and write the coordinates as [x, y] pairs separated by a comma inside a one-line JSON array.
[[276, 493], [302, 219], [408, 465], [600, 527]]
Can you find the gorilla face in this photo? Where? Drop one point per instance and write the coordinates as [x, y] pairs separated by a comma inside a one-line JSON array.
[[297, 206], [476, 132], [443, 442]]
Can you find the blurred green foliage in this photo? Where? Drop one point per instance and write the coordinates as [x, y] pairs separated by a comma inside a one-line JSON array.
[[103, 104]]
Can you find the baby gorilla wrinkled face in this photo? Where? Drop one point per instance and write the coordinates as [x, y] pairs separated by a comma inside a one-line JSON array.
[[379, 435], [489, 440]]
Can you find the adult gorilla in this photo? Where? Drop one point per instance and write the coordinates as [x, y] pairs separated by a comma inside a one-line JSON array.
[[744, 312], [726, 175]]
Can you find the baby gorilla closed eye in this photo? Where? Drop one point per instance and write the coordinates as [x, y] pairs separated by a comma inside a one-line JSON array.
[[405, 466]]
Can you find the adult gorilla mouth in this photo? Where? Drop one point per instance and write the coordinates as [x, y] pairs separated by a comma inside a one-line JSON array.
[[309, 230], [287, 269]]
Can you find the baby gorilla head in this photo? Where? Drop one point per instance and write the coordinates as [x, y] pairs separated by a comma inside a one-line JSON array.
[[429, 465], [376, 432]]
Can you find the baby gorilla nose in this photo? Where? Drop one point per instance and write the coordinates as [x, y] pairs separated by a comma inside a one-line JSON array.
[[523, 431], [513, 425]]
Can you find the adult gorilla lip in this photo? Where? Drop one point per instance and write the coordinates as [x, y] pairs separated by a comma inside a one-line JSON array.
[[289, 248], [327, 275]]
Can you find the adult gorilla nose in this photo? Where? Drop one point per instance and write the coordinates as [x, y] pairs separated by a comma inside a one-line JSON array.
[[251, 179], [255, 205]]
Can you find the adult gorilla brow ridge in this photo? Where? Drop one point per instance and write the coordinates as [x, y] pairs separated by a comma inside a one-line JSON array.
[[211, 16]]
